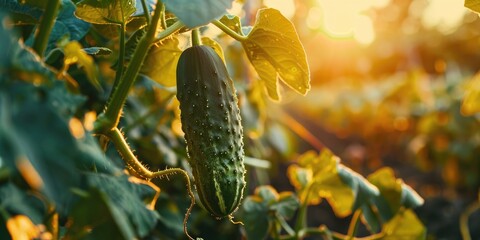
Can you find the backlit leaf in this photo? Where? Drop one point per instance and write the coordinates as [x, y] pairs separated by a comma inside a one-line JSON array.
[[233, 22], [161, 62], [274, 49], [197, 12], [394, 194], [213, 44], [105, 11], [316, 177], [471, 101], [473, 5], [74, 54], [404, 225]]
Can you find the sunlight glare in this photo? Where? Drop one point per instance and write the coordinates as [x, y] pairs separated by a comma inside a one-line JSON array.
[[434, 15], [363, 31], [286, 7], [345, 19]]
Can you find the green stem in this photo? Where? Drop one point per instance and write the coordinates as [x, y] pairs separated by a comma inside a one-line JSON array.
[[464, 220], [169, 31], [140, 170], [196, 38], [352, 229], [229, 31], [45, 28], [146, 13], [121, 57], [109, 119], [163, 22], [285, 225]]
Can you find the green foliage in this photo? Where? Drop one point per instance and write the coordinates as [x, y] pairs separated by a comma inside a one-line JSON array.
[[195, 13], [59, 175], [105, 11]]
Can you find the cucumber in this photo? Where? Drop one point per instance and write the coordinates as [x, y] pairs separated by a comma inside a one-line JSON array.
[[211, 122]]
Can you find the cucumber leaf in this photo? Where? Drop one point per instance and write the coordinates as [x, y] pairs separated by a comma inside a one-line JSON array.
[[275, 51]]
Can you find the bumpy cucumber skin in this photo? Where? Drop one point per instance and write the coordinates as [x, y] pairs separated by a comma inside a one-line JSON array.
[[211, 122]]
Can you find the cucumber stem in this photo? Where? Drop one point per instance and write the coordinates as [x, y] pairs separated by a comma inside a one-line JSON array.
[[230, 32], [196, 38]]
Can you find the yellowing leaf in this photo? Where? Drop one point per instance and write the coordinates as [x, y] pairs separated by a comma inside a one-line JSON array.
[[161, 62], [322, 176], [317, 177], [21, 227], [232, 22], [405, 225], [275, 51], [473, 5], [75, 55], [105, 11], [394, 193], [471, 101], [213, 44]]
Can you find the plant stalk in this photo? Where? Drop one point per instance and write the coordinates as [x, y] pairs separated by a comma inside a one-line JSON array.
[[45, 28], [196, 38], [464, 220], [140, 170], [230, 32], [109, 119]]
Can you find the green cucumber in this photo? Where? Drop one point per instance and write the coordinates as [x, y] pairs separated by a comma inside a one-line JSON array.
[[213, 132]]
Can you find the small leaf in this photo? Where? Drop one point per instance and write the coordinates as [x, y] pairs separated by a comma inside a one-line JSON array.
[[404, 225], [286, 205], [97, 51], [274, 49], [161, 62], [232, 22], [254, 215], [215, 45], [259, 210], [394, 194], [74, 54], [105, 11], [195, 13], [471, 101], [326, 178]]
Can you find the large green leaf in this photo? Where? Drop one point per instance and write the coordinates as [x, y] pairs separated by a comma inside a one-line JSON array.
[[123, 196], [67, 24], [20, 13], [195, 13], [274, 49], [161, 62], [105, 11], [17, 201]]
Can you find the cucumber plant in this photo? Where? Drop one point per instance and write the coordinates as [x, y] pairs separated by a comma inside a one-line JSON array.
[[61, 80]]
